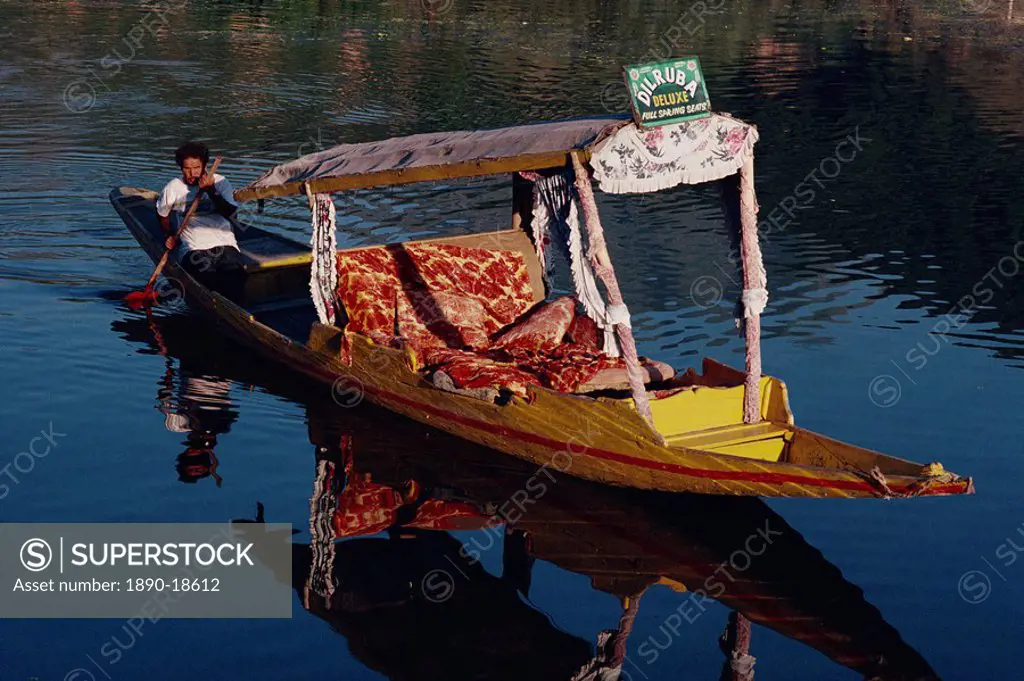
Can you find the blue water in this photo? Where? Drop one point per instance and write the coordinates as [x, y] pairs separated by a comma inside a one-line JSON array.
[[859, 279]]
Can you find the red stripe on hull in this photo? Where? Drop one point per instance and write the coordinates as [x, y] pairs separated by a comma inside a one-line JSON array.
[[679, 469]]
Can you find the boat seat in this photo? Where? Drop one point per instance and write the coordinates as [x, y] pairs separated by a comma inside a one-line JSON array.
[[763, 440], [471, 314], [262, 250], [617, 378]]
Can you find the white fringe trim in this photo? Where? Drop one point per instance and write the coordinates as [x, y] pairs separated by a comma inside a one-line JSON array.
[[558, 191], [754, 301], [323, 275]]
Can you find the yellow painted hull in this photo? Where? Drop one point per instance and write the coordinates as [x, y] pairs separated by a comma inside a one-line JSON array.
[[601, 439]]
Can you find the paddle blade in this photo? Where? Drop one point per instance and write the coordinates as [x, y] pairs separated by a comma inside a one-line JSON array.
[[136, 300]]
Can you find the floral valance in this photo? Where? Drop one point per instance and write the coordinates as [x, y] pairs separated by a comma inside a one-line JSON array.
[[633, 159]]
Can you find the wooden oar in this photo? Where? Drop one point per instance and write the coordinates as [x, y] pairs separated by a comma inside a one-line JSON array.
[[147, 296]]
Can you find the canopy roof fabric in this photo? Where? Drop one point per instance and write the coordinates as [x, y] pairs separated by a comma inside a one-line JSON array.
[[625, 158], [632, 159], [431, 156]]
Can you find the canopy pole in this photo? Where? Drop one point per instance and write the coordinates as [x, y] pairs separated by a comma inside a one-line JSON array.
[[755, 294], [602, 263], [522, 203], [323, 271]]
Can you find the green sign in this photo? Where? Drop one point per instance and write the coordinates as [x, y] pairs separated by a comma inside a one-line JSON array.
[[667, 91]]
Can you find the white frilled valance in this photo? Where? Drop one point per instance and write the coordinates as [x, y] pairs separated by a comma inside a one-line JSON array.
[[323, 275], [635, 160], [556, 220]]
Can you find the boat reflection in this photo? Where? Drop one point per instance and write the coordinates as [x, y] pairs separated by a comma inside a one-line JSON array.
[[413, 601], [371, 480]]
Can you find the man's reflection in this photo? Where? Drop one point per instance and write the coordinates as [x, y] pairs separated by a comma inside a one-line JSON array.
[[197, 405]]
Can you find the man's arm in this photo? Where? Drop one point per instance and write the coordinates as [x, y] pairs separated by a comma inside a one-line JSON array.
[[223, 205], [164, 206]]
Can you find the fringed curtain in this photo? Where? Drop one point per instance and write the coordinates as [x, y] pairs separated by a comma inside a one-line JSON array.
[[559, 201], [556, 220], [639, 160], [323, 276]]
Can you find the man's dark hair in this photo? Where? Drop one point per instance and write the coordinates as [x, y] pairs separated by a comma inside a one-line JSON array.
[[192, 150]]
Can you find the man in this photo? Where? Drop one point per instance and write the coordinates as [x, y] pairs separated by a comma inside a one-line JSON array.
[[208, 248]]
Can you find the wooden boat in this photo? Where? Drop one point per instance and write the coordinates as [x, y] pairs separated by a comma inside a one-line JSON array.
[[722, 431]]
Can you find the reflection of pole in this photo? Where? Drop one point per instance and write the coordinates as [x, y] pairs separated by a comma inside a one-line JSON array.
[[619, 638], [517, 561], [611, 646], [735, 643], [1009, 12]]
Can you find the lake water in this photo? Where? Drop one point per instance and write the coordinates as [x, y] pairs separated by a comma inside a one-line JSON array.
[[925, 216]]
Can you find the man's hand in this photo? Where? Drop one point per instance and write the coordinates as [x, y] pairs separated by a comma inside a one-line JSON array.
[[206, 184], [171, 243]]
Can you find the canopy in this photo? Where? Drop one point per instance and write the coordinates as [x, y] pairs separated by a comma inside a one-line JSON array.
[[431, 156], [625, 158], [633, 159]]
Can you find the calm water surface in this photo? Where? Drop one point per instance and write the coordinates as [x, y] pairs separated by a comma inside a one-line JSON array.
[[927, 212]]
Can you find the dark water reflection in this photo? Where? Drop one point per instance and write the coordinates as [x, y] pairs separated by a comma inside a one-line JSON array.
[[924, 218], [403, 580]]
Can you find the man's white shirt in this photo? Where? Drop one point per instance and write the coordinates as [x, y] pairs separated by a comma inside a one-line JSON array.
[[207, 229]]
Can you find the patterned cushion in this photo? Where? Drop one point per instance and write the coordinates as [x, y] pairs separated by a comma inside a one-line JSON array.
[[372, 281], [441, 319], [445, 299], [470, 370], [562, 367], [546, 326], [584, 332]]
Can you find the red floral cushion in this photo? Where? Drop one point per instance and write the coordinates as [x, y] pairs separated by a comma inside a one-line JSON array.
[[372, 281], [584, 333], [546, 326], [561, 367], [443, 298], [471, 370], [441, 319]]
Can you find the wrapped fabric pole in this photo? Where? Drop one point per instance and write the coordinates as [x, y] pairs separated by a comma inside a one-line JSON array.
[[755, 292], [617, 310], [323, 275]]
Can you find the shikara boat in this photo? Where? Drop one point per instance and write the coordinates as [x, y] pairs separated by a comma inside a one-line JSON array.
[[459, 332]]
